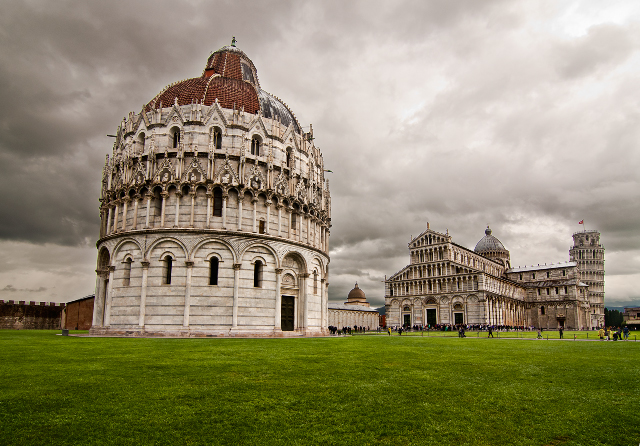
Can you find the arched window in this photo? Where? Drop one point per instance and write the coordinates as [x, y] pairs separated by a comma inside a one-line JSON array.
[[257, 274], [289, 157], [293, 220], [213, 271], [315, 282], [255, 146], [176, 138], [166, 273], [391, 292], [261, 227], [126, 277], [141, 139], [217, 203], [217, 139]]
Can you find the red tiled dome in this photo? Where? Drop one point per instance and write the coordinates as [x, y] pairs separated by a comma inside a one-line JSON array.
[[232, 79]]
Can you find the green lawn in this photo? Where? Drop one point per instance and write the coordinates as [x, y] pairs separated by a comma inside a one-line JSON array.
[[356, 390]]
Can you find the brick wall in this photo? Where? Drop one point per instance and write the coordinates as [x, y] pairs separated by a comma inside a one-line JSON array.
[[78, 315]]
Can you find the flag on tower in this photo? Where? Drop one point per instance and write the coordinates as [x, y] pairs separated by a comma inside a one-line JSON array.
[[581, 222]]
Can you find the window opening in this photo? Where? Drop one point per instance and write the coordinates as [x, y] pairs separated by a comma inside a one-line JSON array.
[[176, 138], [168, 264], [261, 227], [213, 271], [127, 272], [217, 203], [255, 146], [257, 274]]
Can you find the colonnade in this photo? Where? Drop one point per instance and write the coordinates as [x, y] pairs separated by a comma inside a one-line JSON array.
[[434, 286], [316, 234], [501, 311]]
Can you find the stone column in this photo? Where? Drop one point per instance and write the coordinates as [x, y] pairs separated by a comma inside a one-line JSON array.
[[99, 301], [224, 210], [177, 217], [240, 200], [115, 218], [164, 201], [209, 198], [109, 220], [135, 212], [124, 213], [254, 201], [236, 284], [308, 229], [107, 307], [279, 219], [143, 293], [323, 307], [146, 220], [278, 315], [187, 295], [193, 205], [305, 296], [268, 205]]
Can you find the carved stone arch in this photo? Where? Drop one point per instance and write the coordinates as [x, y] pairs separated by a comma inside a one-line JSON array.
[[244, 250], [297, 258], [163, 239], [430, 301], [226, 175], [177, 113], [104, 259], [200, 243], [289, 279], [116, 249], [323, 271], [472, 298], [194, 173]]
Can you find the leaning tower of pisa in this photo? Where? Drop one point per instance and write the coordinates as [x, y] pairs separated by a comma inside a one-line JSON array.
[[588, 253]]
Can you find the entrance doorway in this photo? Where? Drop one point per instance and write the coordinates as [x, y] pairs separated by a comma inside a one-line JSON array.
[[458, 318], [407, 320], [287, 313], [432, 318]]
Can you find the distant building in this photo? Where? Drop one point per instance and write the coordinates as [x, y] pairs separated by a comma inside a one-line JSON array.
[[356, 311], [78, 314], [631, 317], [446, 283]]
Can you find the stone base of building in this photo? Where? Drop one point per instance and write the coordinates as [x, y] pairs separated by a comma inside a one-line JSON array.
[[242, 332]]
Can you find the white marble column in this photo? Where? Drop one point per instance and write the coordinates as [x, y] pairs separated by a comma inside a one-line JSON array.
[[135, 212], [124, 214], [268, 205], [240, 200], [107, 307], [279, 219], [99, 301], [109, 220], [115, 218], [193, 206], [224, 211], [143, 292], [164, 202], [254, 201], [305, 300], [146, 220], [209, 198], [177, 216], [187, 295], [278, 310], [324, 322], [308, 216], [236, 285]]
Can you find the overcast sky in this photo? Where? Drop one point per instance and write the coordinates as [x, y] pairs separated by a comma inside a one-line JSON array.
[[518, 114]]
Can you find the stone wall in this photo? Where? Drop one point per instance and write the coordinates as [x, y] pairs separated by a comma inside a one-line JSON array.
[[32, 315]]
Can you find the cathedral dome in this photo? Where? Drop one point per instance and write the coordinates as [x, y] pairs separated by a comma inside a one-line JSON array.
[[489, 243], [492, 248], [231, 79], [356, 293]]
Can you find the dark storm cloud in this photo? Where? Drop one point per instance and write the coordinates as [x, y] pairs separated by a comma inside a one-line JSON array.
[[521, 115]]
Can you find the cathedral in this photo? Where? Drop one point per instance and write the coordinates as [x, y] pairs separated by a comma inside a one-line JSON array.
[[446, 283], [215, 214]]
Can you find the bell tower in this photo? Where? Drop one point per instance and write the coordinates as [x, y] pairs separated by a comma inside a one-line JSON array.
[[588, 253]]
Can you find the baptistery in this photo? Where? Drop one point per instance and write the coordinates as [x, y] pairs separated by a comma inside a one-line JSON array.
[[215, 214]]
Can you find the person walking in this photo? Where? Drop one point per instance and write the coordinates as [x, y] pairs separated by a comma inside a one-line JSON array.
[[561, 330], [490, 332], [625, 332], [601, 333]]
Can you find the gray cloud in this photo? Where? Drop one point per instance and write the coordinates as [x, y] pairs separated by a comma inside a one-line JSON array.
[[514, 114]]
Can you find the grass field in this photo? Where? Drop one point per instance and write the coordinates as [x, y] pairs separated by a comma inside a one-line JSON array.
[[356, 390]]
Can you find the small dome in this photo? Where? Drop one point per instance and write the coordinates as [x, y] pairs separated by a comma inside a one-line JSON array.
[[356, 293], [489, 244]]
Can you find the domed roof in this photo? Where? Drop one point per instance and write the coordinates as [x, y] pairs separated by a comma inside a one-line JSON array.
[[356, 293], [489, 243], [230, 78]]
